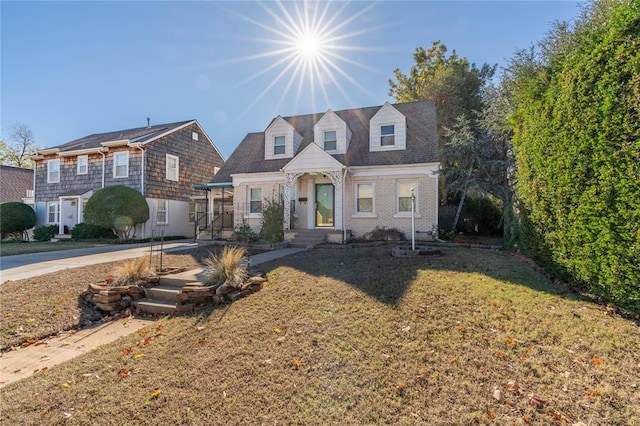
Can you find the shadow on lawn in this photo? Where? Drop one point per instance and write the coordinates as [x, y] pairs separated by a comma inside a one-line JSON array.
[[375, 272]]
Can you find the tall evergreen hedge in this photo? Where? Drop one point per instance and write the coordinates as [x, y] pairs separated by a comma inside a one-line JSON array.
[[577, 146]]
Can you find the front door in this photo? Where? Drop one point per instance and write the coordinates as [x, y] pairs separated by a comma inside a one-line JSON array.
[[324, 205]]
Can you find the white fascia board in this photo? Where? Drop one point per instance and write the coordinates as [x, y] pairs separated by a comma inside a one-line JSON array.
[[168, 132], [240, 178], [49, 151], [120, 142], [81, 152], [429, 169]]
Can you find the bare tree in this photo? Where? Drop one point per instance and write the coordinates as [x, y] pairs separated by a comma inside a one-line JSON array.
[[21, 144]]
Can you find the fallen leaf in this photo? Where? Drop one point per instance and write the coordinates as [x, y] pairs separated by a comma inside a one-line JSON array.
[[510, 341], [8, 314], [497, 394], [406, 328], [593, 394], [400, 387], [419, 315], [526, 418], [66, 385], [495, 303], [143, 332], [453, 360], [297, 363], [536, 401], [156, 393], [124, 373], [277, 330], [491, 414], [144, 341], [318, 321], [126, 351], [200, 328], [596, 361], [138, 356]]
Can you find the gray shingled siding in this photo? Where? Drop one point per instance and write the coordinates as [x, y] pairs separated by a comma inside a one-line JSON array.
[[197, 160], [70, 180]]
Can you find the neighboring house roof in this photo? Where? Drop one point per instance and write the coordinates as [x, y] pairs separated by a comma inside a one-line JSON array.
[[137, 135], [422, 141], [14, 183]]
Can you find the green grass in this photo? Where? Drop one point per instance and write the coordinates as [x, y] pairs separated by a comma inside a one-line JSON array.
[[14, 248], [359, 337]]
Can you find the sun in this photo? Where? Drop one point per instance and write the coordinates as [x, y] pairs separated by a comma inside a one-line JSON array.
[[307, 41], [309, 46]]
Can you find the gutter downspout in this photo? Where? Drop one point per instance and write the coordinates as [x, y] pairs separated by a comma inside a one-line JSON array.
[[103, 165], [142, 170], [344, 188]]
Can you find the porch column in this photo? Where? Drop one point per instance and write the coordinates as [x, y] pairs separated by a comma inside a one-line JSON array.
[[289, 182], [336, 180]]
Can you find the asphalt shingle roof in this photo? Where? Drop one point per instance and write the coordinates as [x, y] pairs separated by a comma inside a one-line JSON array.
[[139, 134], [421, 147]]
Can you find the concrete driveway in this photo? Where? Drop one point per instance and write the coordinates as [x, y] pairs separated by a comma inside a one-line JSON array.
[[27, 265]]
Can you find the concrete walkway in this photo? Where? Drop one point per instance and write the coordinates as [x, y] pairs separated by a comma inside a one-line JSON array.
[[20, 363], [22, 266]]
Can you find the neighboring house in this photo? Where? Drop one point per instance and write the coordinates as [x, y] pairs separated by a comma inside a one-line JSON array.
[[16, 184], [162, 162], [343, 172]]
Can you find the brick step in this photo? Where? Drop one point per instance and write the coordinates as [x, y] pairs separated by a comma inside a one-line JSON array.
[[163, 292], [154, 306]]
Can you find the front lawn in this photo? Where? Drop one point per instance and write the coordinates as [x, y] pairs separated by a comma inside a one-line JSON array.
[[356, 336], [10, 248]]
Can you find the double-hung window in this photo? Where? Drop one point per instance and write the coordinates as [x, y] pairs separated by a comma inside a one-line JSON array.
[[172, 170], [83, 164], [405, 190], [364, 198], [255, 200], [53, 171], [278, 145], [330, 141], [162, 214], [387, 135], [121, 164], [53, 212]]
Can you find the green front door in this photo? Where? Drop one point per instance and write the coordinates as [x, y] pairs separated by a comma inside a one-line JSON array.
[[324, 205]]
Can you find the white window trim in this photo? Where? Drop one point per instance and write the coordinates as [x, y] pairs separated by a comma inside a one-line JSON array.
[[194, 136], [284, 145], [167, 158], [398, 214], [324, 140], [57, 213], [249, 213], [115, 164], [356, 213], [394, 144], [86, 170], [166, 212], [49, 162]]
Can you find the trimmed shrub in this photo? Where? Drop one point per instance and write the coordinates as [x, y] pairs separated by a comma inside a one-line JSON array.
[[86, 231], [16, 218], [117, 207], [45, 233], [576, 145], [272, 221]]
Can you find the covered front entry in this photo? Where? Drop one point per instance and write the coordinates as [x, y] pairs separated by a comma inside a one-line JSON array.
[[324, 205]]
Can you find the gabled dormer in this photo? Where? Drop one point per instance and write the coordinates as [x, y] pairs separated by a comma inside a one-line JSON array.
[[387, 130], [281, 140], [332, 134]]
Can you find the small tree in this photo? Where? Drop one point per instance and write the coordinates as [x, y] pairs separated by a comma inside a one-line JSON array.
[[16, 218], [117, 207], [272, 220], [22, 143]]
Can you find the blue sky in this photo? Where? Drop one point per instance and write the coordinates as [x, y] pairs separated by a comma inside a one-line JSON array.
[[70, 69]]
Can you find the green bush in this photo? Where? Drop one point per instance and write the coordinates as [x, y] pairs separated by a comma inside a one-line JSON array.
[[16, 218], [86, 231], [45, 233], [272, 221], [577, 147], [486, 213], [117, 207], [244, 234]]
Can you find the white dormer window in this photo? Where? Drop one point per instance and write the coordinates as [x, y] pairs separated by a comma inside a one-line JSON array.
[[330, 141], [279, 145], [387, 135], [387, 130]]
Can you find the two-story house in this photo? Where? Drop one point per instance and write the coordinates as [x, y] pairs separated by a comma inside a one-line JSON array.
[[341, 172], [16, 184], [162, 162]]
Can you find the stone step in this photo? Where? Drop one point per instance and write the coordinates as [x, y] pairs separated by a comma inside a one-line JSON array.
[[163, 292], [178, 281], [154, 306]]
